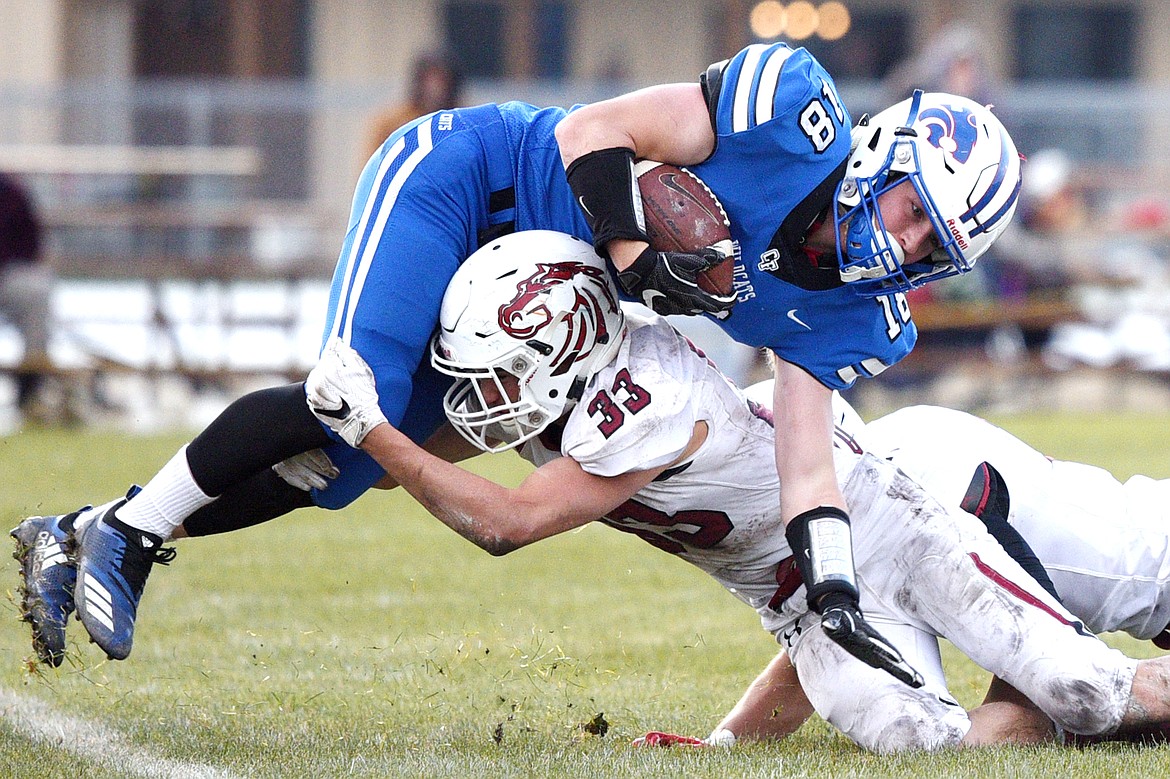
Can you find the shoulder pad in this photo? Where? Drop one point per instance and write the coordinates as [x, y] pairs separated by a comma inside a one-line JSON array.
[[711, 81]]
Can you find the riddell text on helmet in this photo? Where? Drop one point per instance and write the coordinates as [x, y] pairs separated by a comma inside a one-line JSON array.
[[953, 227]]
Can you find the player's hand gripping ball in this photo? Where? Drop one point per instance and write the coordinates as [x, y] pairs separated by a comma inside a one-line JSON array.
[[683, 215]]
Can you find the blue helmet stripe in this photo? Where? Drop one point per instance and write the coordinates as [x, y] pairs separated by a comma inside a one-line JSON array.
[[912, 114], [990, 223], [993, 190]]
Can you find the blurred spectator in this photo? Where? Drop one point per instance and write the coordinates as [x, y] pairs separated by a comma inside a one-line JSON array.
[[435, 83], [25, 287], [1099, 259], [952, 60], [1039, 251], [615, 68]]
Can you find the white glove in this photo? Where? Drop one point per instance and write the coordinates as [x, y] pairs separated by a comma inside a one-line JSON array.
[[721, 738], [307, 470], [340, 392]]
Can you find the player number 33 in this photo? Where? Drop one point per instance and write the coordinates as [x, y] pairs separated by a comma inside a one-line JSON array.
[[608, 406]]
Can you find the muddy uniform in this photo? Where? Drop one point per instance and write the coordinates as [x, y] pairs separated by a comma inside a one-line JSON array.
[[923, 572], [1104, 544]]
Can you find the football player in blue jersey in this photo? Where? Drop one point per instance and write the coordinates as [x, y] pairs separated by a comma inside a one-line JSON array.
[[832, 228]]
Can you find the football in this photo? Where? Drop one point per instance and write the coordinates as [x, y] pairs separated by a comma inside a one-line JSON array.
[[683, 215]]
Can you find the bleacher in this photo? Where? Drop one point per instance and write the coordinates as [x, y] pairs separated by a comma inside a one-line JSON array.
[[209, 287], [207, 261]]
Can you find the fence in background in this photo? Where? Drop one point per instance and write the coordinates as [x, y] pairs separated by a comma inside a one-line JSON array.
[[206, 187]]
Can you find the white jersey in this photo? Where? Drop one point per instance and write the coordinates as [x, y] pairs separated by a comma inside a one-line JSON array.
[[1104, 544], [721, 509], [922, 571]]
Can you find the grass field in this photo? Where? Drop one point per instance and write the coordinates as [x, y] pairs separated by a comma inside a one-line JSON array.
[[374, 642]]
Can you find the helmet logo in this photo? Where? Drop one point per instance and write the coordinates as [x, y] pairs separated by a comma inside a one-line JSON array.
[[522, 320], [516, 318], [953, 226], [951, 129]]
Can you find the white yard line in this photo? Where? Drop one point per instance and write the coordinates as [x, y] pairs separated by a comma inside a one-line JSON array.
[[39, 721]]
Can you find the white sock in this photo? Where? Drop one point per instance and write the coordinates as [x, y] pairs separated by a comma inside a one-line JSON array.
[[166, 500]]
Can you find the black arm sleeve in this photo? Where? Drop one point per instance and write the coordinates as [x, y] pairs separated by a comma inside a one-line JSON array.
[[605, 187], [251, 435]]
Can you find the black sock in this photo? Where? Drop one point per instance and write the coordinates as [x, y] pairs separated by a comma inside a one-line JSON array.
[[251, 435], [261, 497]]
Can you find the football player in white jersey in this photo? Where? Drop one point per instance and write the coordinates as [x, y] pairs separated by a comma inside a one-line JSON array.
[[629, 423], [1104, 546], [810, 235]]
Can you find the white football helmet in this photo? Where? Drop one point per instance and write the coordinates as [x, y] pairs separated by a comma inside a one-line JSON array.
[[538, 306], [965, 168]]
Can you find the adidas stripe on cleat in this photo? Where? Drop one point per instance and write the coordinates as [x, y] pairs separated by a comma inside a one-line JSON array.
[[113, 563], [48, 576]]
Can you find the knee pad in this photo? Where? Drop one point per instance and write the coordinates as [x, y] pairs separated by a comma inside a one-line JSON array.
[[920, 732], [1089, 700]]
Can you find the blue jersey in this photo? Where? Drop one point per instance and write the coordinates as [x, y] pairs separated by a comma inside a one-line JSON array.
[[782, 138], [436, 190], [447, 183]]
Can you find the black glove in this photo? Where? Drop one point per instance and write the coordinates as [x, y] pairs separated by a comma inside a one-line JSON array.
[[842, 621], [667, 282], [821, 541]]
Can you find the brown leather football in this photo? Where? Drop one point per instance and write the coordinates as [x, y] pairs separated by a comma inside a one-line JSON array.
[[683, 215]]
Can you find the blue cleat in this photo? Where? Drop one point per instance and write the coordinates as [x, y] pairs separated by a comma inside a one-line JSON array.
[[49, 575], [113, 561]]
